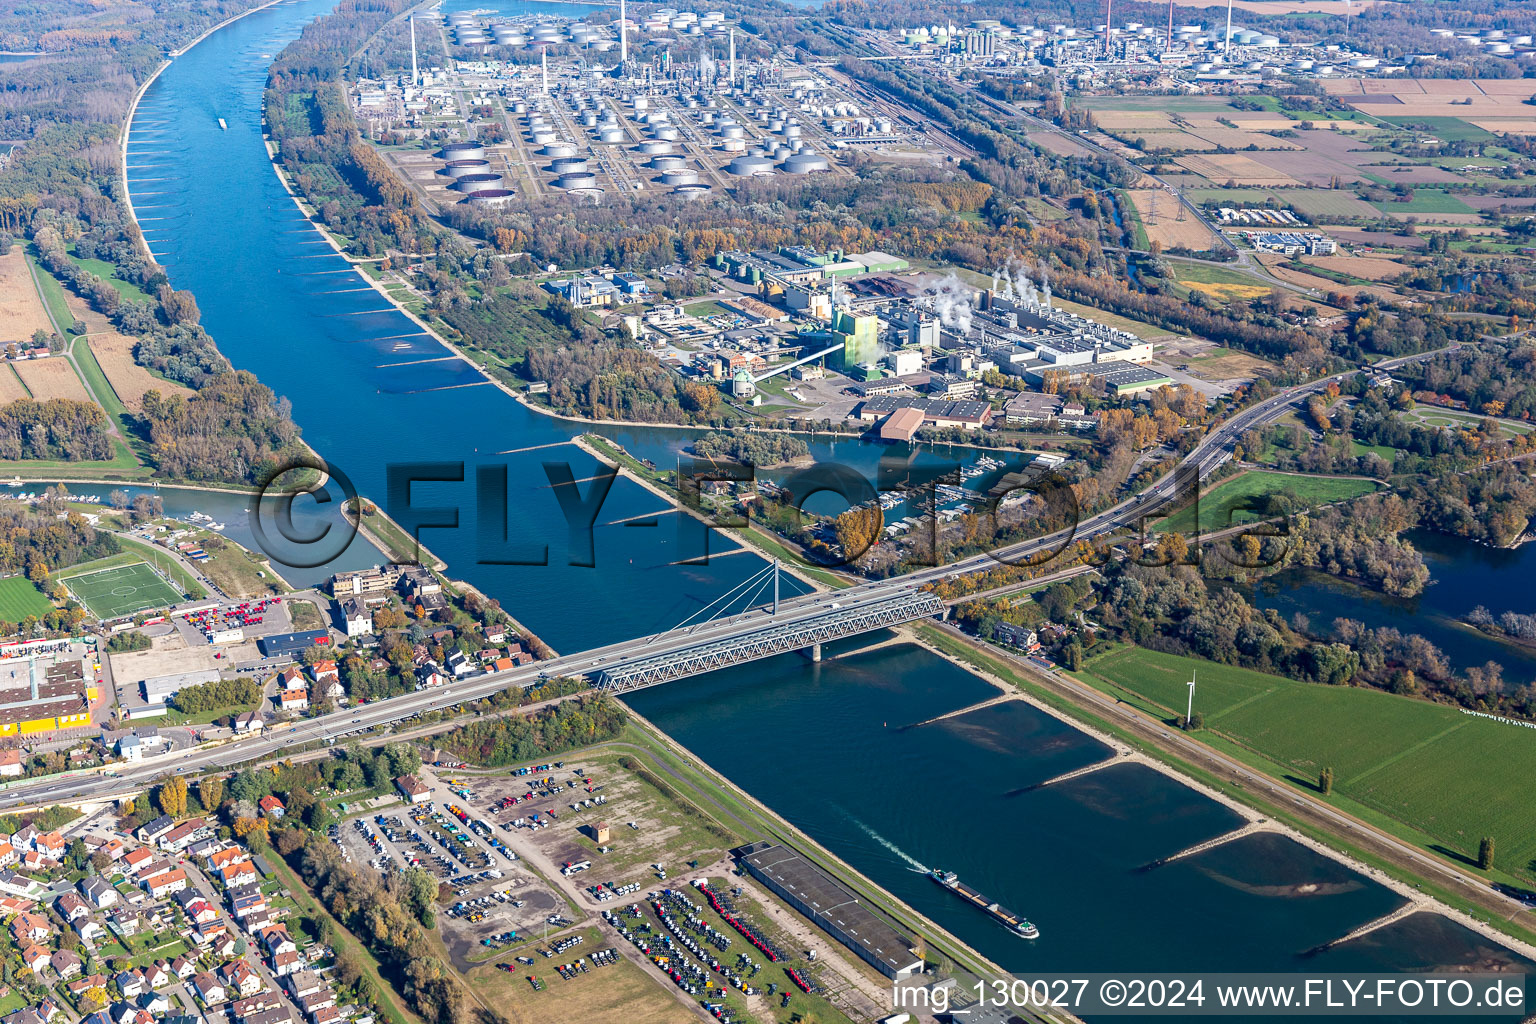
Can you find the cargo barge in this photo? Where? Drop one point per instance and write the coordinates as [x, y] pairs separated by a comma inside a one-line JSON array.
[[1013, 922]]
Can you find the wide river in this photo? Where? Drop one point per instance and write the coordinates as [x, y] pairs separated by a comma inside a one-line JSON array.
[[832, 746]]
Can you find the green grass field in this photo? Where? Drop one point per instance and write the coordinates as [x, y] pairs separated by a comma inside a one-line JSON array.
[[1425, 201], [19, 598], [123, 590], [1451, 129], [1450, 778], [1224, 505]]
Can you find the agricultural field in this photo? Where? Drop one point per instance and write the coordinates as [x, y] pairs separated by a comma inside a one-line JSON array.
[[20, 598], [21, 308], [11, 387], [1366, 268], [1427, 766], [1159, 213], [1217, 363], [129, 380], [1224, 505], [1237, 168], [1227, 285], [51, 378], [1426, 201]]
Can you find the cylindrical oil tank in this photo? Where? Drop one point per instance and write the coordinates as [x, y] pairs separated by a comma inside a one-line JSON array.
[[519, 107], [667, 162], [558, 149], [459, 168], [691, 191], [543, 137], [490, 197], [464, 151], [506, 35], [477, 182], [665, 134], [585, 192], [731, 131], [654, 147], [681, 176], [805, 163], [576, 179], [791, 131], [610, 136], [568, 165], [589, 120], [734, 145], [746, 166]]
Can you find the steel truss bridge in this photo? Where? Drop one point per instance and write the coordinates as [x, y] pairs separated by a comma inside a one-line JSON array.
[[764, 643]]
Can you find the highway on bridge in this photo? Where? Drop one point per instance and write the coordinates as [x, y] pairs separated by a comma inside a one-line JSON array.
[[1212, 451]]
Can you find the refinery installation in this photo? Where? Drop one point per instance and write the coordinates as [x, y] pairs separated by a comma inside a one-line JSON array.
[[537, 106]]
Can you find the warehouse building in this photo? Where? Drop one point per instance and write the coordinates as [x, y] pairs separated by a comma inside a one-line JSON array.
[[833, 908], [40, 695], [291, 644]]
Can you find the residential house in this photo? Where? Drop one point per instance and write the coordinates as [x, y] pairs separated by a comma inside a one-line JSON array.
[[152, 831], [156, 975], [32, 860], [90, 931], [208, 988], [136, 861], [271, 806], [80, 986], [276, 940], [247, 723], [10, 762], [320, 999], [99, 1017], [284, 964], [259, 1003], [293, 700], [240, 978], [225, 856], [126, 921], [8, 855], [25, 1015], [131, 983], [72, 907], [194, 830], [239, 874], [326, 1015], [30, 928], [166, 882], [65, 964], [48, 1010], [155, 1003], [325, 671], [35, 957], [23, 838], [51, 844], [277, 1015], [98, 891], [199, 911], [13, 883], [114, 848], [304, 983], [246, 900], [183, 967]]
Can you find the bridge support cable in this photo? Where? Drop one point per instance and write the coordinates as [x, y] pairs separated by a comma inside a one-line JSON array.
[[759, 578], [768, 641]]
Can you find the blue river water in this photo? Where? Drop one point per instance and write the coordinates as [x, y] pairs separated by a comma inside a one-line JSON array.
[[836, 747]]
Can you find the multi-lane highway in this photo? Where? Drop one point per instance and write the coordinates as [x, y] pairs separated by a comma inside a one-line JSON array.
[[1213, 450]]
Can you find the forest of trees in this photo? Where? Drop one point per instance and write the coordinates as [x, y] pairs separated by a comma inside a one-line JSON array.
[[243, 692], [235, 428], [502, 741], [756, 449], [60, 429]]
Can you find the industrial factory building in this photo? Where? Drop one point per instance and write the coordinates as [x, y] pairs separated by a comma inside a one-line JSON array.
[[39, 694], [833, 908]]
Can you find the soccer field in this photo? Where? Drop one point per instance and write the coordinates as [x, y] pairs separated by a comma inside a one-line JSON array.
[[19, 598], [123, 590]]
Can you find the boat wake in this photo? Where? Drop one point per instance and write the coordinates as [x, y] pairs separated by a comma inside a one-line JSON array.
[[912, 862]]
